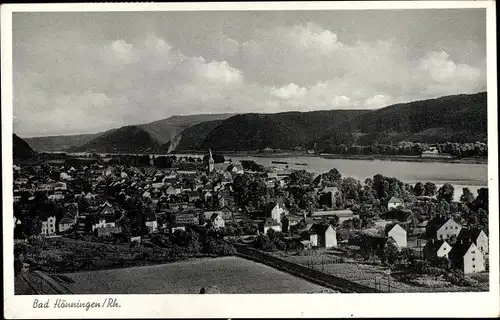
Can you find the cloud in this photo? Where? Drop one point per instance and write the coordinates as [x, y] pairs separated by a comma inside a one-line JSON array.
[[289, 91], [69, 81]]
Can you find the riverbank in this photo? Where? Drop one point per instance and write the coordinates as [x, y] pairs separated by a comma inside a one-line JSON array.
[[406, 158], [373, 157]]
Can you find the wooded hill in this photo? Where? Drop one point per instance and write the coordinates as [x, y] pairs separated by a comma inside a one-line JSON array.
[[459, 118]]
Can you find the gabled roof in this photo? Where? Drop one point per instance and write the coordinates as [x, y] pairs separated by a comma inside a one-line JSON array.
[[438, 221], [459, 250], [434, 245], [66, 220], [271, 222], [320, 228], [469, 234], [395, 200]]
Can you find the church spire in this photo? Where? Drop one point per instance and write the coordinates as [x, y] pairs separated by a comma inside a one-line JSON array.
[[211, 162]]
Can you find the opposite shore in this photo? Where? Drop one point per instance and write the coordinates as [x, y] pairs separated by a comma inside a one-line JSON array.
[[288, 154]]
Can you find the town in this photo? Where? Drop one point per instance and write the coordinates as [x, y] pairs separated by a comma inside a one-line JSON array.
[[83, 213]]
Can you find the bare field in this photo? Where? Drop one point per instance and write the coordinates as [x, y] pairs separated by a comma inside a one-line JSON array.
[[370, 274], [229, 274]]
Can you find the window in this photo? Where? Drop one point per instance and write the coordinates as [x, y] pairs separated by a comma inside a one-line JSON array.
[[473, 259], [473, 252], [441, 236], [444, 248], [473, 265]]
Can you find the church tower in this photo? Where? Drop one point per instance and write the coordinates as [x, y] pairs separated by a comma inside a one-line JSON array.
[[211, 163]]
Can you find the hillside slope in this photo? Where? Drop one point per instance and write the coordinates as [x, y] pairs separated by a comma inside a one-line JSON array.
[[60, 143], [161, 131], [128, 139], [192, 138], [277, 131], [458, 118], [166, 129], [21, 149]]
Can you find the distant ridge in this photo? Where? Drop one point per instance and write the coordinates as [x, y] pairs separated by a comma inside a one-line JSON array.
[[129, 139], [456, 118], [253, 131], [162, 131]]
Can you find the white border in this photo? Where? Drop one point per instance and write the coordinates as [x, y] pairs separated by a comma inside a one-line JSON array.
[[279, 305]]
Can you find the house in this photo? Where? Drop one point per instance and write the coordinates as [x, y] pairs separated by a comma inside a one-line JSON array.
[[169, 176], [60, 186], [101, 232], [89, 196], [271, 223], [467, 257], [278, 210], [217, 221], [187, 217], [343, 215], [150, 221], [477, 236], [103, 223], [397, 233], [193, 196], [436, 248], [64, 176], [66, 223], [289, 221], [81, 224], [310, 235], [175, 227], [327, 196], [236, 168], [326, 235], [441, 228], [305, 244], [49, 226], [173, 190], [71, 210], [431, 152], [394, 203]]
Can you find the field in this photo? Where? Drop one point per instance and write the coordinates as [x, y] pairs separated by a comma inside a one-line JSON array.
[[369, 274], [229, 274]]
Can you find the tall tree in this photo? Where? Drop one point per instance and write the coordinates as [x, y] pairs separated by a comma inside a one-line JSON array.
[[430, 189], [418, 190], [467, 197], [446, 192]]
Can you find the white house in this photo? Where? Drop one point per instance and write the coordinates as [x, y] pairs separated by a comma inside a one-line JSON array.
[[394, 203], [325, 235], [66, 223], [436, 249], [270, 223], [448, 230], [102, 223], [467, 257], [398, 234], [278, 210], [49, 226], [477, 236], [217, 221]]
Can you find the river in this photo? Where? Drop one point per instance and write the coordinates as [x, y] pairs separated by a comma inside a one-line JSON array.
[[460, 175]]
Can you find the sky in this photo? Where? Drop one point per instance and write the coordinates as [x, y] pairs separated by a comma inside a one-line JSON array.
[[89, 72]]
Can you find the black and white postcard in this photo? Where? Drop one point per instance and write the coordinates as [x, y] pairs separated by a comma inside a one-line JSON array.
[[323, 159]]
